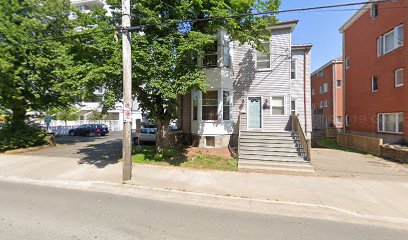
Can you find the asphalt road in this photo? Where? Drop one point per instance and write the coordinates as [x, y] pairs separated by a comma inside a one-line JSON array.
[[36, 212], [88, 149]]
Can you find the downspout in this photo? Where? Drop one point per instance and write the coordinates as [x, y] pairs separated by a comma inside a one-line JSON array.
[[334, 89], [304, 90]]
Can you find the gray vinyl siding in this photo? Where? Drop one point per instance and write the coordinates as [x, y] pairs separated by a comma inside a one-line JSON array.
[[250, 82], [297, 90]]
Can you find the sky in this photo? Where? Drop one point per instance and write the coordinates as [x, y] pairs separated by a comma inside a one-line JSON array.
[[320, 27]]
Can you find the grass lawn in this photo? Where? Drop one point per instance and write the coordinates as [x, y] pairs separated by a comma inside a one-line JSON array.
[[175, 157], [332, 144]]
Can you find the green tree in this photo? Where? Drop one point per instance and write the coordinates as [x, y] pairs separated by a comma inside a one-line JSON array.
[[165, 49], [31, 69]]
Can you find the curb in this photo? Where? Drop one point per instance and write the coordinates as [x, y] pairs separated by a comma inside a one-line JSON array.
[[233, 203]]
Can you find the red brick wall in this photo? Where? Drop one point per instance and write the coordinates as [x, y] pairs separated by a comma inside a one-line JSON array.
[[328, 78], [362, 105]]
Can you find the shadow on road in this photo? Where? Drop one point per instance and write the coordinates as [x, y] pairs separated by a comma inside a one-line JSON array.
[[71, 140], [101, 154]]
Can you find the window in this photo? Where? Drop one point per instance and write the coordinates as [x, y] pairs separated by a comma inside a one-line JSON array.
[[390, 41], [210, 105], [321, 104], [338, 83], [313, 92], [227, 56], [324, 88], [313, 105], [195, 105], [293, 69], [391, 122], [210, 56], [263, 60], [347, 62], [339, 119], [226, 103], [326, 103], [399, 77], [210, 141], [293, 107], [347, 120], [320, 73], [374, 84], [278, 105], [374, 10]]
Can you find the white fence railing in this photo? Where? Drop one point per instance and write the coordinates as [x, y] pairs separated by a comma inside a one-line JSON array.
[[62, 127]]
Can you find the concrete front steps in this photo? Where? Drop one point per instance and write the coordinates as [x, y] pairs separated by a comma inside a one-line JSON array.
[[272, 152], [295, 168]]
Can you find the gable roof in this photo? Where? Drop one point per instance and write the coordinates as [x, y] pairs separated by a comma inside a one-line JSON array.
[[356, 16]]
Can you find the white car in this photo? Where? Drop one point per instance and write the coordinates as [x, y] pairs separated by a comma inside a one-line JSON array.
[[145, 135]]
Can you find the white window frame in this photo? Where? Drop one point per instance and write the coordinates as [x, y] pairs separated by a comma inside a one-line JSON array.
[[339, 119], [313, 92], [230, 105], [325, 103], [313, 105], [383, 122], [374, 10], [293, 69], [395, 77], [372, 84], [347, 120], [284, 105], [269, 54], [320, 73], [321, 104], [396, 44], [347, 62], [324, 88]]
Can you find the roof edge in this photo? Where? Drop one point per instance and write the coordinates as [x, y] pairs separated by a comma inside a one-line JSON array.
[[287, 24], [355, 16], [334, 61]]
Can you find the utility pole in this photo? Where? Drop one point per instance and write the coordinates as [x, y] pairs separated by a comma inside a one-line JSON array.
[[127, 92]]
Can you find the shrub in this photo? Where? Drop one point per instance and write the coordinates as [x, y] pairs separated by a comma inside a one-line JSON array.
[[26, 136]]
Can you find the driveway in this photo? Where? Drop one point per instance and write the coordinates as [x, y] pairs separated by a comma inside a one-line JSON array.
[[99, 151], [341, 164]]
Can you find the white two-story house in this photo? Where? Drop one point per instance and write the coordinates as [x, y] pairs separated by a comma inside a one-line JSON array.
[[252, 98]]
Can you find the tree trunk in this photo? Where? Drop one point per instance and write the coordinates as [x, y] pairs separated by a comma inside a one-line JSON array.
[[18, 118], [161, 137]]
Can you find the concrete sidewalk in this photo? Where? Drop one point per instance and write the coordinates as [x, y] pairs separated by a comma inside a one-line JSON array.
[[348, 199]]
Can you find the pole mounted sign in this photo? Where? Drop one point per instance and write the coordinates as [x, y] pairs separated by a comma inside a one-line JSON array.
[[127, 112]]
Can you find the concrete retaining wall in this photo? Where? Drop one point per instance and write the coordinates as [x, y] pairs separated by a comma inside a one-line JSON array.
[[394, 154], [361, 143]]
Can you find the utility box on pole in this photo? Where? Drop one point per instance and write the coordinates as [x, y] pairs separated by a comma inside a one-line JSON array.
[[127, 92]]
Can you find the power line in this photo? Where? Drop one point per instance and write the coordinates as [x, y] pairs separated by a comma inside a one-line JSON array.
[[136, 28], [140, 27]]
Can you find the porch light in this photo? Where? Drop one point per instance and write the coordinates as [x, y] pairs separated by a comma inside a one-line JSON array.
[[266, 104]]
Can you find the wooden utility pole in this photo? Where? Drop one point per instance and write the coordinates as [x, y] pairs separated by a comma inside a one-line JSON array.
[[127, 92]]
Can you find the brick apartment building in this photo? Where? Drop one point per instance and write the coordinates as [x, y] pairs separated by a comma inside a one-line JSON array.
[[327, 95], [375, 56]]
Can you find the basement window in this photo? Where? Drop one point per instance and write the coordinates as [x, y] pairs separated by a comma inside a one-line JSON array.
[[209, 141], [391, 122]]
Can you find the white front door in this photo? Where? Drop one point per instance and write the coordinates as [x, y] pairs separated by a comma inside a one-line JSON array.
[[254, 113]]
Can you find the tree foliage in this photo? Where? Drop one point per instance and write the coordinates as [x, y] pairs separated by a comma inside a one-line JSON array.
[[176, 30], [31, 68]]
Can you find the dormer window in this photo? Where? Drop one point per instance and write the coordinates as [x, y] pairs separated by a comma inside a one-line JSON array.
[[210, 56]]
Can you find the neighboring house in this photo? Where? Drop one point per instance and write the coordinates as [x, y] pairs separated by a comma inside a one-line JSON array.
[[250, 98], [376, 69], [89, 108], [327, 95]]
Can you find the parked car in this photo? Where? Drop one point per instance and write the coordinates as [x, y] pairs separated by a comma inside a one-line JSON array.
[[146, 135], [89, 130]]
